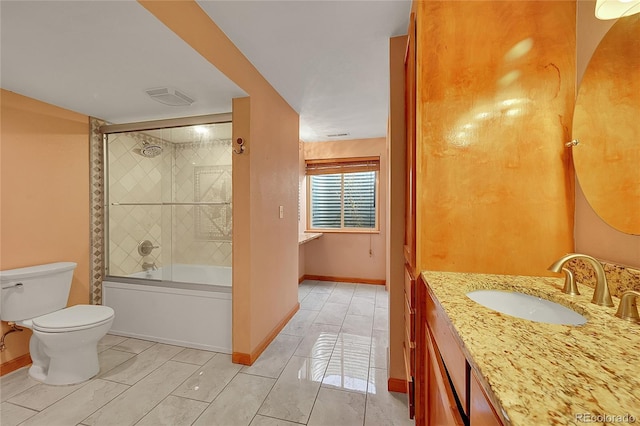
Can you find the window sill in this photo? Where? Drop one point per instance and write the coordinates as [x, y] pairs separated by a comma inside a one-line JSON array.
[[345, 231]]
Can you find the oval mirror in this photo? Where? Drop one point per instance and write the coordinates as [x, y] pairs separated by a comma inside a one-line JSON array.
[[607, 125]]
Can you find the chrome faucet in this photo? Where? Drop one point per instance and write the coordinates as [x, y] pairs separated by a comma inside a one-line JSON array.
[[149, 266], [601, 295]]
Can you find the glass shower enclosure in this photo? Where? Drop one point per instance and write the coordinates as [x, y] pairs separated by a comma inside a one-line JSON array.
[[168, 204]]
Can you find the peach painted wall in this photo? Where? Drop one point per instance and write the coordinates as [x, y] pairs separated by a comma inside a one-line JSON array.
[[44, 203], [592, 235], [395, 207], [266, 178], [346, 255]]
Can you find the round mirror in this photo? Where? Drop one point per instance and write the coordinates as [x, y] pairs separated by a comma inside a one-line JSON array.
[[607, 125]]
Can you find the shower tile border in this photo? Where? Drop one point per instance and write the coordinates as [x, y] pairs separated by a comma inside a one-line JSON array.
[[97, 211]]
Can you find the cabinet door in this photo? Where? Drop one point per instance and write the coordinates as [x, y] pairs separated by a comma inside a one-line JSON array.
[[481, 411], [440, 404], [410, 117]]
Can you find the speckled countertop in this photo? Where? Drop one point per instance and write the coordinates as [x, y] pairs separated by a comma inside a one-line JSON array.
[[545, 374]]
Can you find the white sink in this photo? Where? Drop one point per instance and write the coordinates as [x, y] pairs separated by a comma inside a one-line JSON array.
[[526, 307]]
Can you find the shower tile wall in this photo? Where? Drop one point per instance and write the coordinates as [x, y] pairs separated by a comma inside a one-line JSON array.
[[203, 233], [134, 178], [171, 176]]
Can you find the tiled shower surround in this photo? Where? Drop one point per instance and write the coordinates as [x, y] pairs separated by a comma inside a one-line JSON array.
[[185, 172]]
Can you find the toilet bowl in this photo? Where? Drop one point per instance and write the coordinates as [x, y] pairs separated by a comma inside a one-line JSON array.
[[64, 343]]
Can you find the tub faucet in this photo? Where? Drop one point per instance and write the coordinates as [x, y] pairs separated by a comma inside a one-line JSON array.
[[601, 295], [149, 266]]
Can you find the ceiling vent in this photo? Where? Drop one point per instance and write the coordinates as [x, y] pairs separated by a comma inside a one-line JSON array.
[[169, 96]]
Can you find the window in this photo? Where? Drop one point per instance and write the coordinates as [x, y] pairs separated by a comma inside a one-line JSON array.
[[343, 193]]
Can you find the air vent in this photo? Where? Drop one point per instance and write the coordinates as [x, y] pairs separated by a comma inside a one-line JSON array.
[[337, 135], [169, 96]]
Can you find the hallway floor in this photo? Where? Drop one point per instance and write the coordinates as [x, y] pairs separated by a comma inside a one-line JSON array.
[[326, 367]]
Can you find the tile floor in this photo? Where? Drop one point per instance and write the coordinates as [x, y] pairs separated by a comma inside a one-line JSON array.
[[326, 367]]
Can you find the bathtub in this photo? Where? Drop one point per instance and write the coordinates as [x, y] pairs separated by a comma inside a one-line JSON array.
[[191, 310]]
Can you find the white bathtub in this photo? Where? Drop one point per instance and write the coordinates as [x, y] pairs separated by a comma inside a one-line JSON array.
[[192, 310]]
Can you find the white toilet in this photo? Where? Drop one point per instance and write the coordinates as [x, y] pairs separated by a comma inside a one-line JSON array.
[[64, 344]]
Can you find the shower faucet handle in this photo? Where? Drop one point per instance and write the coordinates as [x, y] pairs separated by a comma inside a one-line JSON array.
[[145, 247]]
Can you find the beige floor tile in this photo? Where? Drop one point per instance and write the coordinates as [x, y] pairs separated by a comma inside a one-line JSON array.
[[361, 306], [110, 340], [135, 346], [294, 393], [78, 405], [358, 325], [270, 421], [110, 358], [300, 322], [133, 404], [379, 349], [385, 408], [341, 295], [319, 341], [238, 403], [335, 407], [194, 356], [273, 360], [129, 372], [174, 411], [367, 291], [209, 380], [332, 313], [13, 415], [381, 319], [15, 382], [41, 396], [314, 301]]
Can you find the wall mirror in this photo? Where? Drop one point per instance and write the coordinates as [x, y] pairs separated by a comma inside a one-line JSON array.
[[607, 124]]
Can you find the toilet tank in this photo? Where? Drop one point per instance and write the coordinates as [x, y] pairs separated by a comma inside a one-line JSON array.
[[35, 290]]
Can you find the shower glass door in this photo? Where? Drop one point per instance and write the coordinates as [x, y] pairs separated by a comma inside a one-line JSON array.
[[169, 204]]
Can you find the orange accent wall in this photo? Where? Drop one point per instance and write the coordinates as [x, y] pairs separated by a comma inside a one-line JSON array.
[[347, 254], [265, 248], [496, 88], [44, 202]]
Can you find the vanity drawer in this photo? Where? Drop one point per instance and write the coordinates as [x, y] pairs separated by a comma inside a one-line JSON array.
[[409, 321], [409, 286], [449, 348]]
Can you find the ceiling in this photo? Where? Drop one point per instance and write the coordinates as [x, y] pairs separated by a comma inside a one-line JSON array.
[[328, 59]]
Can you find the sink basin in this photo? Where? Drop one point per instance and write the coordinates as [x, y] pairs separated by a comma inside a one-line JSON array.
[[526, 307]]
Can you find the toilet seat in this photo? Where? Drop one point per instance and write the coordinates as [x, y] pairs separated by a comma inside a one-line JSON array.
[[74, 318]]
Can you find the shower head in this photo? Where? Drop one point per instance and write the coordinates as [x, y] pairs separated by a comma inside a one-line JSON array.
[[150, 150]]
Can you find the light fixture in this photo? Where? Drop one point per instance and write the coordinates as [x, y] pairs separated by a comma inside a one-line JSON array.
[[613, 9]]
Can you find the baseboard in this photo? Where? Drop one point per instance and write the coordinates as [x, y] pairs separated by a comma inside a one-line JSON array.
[[397, 385], [249, 359], [344, 279], [15, 364], [302, 278]]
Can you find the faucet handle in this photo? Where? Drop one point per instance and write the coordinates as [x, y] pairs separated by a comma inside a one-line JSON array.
[[570, 286], [628, 309]]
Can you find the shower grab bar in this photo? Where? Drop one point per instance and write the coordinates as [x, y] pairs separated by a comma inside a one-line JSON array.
[[197, 203]]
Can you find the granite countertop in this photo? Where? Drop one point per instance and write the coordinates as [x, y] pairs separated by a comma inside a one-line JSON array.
[[308, 236], [545, 374]]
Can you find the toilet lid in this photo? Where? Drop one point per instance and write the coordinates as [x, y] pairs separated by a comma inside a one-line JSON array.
[[74, 317]]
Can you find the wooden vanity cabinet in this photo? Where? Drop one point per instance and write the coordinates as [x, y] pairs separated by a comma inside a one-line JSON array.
[[449, 392], [481, 412]]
